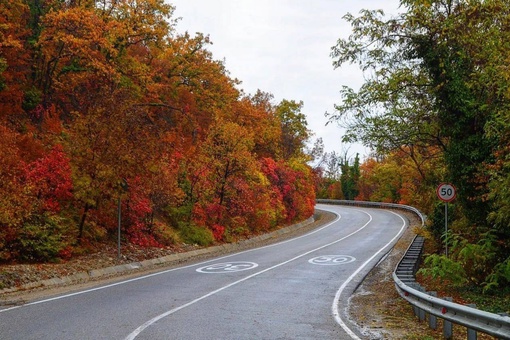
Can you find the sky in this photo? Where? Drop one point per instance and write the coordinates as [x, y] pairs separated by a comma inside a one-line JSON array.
[[283, 47]]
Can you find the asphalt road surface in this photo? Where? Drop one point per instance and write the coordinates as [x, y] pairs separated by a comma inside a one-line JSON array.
[[296, 289]]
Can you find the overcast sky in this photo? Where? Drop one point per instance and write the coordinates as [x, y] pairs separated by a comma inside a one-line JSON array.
[[282, 47]]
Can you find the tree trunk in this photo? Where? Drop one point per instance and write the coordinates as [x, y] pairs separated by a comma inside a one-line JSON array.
[[82, 223]]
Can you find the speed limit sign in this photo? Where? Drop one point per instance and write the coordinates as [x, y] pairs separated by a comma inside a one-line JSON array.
[[446, 192]]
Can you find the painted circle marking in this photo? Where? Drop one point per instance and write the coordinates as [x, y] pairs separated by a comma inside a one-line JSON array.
[[227, 267], [332, 260]]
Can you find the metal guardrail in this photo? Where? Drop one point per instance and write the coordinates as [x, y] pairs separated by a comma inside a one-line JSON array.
[[375, 205], [426, 304]]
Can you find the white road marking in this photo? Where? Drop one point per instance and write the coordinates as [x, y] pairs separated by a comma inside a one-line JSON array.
[[228, 267], [332, 260], [152, 321], [336, 312]]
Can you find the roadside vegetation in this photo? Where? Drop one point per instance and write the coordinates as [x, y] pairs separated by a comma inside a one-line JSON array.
[[435, 107], [103, 105]]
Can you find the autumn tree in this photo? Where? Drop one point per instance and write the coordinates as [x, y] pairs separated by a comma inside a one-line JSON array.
[[227, 153], [435, 91], [327, 174], [14, 58], [258, 113], [49, 180], [394, 110], [103, 101], [15, 207], [293, 187]]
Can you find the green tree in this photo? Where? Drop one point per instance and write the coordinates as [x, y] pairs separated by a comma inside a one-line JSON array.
[[437, 88], [451, 58], [350, 177], [295, 132], [394, 109]]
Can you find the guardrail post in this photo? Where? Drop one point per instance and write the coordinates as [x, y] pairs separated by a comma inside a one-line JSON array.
[[502, 314], [471, 333], [417, 311], [432, 318], [447, 325], [421, 312]]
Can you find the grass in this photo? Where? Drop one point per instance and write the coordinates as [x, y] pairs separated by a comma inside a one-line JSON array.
[[494, 303]]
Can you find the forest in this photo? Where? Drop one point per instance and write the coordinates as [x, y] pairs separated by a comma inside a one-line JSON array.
[[103, 104], [435, 108]]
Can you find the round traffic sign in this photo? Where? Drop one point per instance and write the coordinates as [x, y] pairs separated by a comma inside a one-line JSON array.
[[446, 192]]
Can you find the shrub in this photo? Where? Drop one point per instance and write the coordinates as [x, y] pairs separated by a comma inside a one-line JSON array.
[[237, 233], [473, 263], [166, 235], [445, 269], [142, 238], [39, 240], [500, 277], [193, 234], [66, 253], [31, 99], [218, 232], [436, 222]]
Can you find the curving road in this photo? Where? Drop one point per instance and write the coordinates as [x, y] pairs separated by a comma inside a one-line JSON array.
[[295, 289]]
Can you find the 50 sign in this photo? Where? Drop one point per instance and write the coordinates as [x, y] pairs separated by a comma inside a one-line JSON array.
[[446, 192]]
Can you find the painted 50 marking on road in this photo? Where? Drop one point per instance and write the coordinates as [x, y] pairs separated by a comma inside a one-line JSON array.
[[228, 267], [332, 260]]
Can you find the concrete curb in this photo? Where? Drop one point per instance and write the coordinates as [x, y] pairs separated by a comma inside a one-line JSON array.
[[146, 264]]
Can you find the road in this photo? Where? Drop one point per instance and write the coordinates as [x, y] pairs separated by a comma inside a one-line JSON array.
[[296, 289]]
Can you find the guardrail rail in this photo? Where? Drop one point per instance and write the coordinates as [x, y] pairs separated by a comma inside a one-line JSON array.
[[426, 305]]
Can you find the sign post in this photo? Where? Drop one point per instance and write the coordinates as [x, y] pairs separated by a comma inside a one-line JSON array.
[[446, 193], [123, 188]]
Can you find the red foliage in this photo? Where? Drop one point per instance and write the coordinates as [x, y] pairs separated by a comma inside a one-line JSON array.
[[49, 179], [218, 232], [206, 215], [138, 207], [66, 253], [191, 144], [334, 191], [142, 238], [293, 186]]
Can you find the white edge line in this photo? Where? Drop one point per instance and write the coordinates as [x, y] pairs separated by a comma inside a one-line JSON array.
[[336, 301]]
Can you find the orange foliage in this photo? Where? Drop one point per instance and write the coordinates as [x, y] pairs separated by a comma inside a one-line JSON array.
[[91, 96], [397, 178], [15, 68]]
